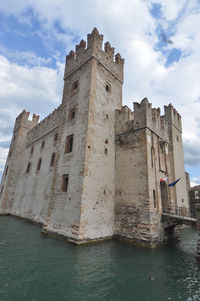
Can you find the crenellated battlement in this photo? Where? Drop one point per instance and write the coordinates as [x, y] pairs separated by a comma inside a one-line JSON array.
[[93, 48], [142, 116], [23, 120], [49, 122], [145, 115], [173, 117], [123, 120]]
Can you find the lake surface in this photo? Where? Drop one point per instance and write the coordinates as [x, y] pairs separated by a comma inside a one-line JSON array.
[[34, 267]]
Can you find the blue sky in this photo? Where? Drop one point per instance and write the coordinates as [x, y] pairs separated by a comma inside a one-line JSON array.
[[159, 40]]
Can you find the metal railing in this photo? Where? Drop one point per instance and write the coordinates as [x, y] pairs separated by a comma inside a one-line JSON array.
[[180, 211]]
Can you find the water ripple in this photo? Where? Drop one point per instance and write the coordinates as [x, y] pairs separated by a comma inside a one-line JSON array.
[[36, 268]]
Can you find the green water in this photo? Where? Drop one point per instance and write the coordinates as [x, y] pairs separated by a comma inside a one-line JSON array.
[[34, 267]]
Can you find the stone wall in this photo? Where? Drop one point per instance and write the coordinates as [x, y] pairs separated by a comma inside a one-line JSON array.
[[65, 207]]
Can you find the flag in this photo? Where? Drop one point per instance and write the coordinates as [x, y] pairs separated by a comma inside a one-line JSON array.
[[174, 183]]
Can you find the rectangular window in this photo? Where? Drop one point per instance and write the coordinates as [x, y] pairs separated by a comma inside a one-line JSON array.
[[65, 181], [43, 143], [56, 137], [154, 198], [52, 159], [28, 167], [39, 164], [108, 87], [69, 144], [32, 149]]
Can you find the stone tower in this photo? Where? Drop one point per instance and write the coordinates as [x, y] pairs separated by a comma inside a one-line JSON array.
[[13, 167], [148, 149], [92, 92], [179, 195]]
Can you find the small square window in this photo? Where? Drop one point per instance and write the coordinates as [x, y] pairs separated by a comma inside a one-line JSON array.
[[39, 164], [28, 167], [106, 141], [65, 180], [69, 144]]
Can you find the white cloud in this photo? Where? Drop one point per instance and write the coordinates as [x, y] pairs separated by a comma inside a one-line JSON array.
[[194, 182], [171, 8], [36, 88], [25, 57]]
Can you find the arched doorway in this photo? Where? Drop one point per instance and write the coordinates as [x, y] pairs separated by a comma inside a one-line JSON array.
[[164, 196]]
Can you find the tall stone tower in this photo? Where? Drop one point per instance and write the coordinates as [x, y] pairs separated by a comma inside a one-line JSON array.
[[179, 195], [14, 162], [92, 92]]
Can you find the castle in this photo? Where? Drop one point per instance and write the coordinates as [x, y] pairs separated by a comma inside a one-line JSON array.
[[92, 169]]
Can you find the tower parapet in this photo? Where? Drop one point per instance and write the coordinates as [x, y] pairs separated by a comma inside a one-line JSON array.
[[173, 117], [145, 116], [123, 120], [142, 116], [74, 60], [23, 120]]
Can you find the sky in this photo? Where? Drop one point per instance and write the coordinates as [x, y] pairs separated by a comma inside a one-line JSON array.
[[160, 41]]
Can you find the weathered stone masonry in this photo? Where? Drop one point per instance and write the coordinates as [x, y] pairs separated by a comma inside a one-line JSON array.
[[91, 170]]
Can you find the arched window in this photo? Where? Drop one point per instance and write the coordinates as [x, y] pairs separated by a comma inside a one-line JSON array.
[[72, 114], [65, 180]]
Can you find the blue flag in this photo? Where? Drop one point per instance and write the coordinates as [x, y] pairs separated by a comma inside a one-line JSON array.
[[174, 183]]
